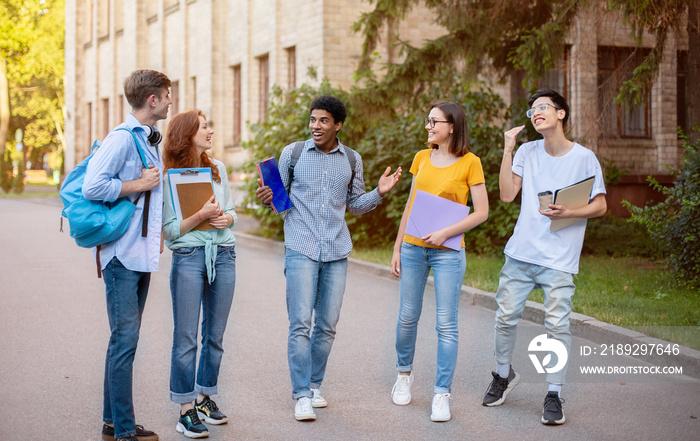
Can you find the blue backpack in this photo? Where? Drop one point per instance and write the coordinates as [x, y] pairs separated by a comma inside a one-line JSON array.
[[94, 223]]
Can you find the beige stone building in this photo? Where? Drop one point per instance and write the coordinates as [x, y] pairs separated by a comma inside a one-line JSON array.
[[223, 57]]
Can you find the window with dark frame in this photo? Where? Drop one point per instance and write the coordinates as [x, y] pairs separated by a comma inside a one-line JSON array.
[[175, 96], [192, 93], [237, 105], [557, 79], [88, 128], [291, 67], [105, 117], [682, 91], [263, 86], [120, 110], [615, 66]]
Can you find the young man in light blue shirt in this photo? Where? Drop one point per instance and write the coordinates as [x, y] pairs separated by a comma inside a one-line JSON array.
[[116, 171], [536, 257], [317, 244]]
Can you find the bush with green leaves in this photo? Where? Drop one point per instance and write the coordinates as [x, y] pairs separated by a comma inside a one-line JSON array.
[[675, 222], [390, 141]]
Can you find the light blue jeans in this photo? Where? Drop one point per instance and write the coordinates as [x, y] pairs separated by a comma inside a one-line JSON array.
[[314, 289], [126, 293], [517, 280], [448, 274], [191, 292]]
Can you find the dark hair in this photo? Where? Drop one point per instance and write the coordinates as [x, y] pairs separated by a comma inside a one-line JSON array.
[[331, 105], [143, 83], [459, 139], [556, 98], [179, 150]]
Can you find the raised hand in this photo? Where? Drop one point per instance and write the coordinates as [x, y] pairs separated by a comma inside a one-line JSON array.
[[387, 182], [509, 139]]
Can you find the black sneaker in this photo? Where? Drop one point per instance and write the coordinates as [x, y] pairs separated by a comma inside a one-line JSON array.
[[499, 388], [141, 433], [129, 438], [552, 414], [209, 412], [190, 425]]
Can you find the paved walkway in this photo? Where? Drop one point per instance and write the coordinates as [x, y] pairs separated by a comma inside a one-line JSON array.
[[53, 335]]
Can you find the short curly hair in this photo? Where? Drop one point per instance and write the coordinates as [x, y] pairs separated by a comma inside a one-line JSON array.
[[331, 105]]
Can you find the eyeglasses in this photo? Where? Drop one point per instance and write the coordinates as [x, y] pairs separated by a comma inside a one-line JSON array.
[[542, 107], [432, 121]]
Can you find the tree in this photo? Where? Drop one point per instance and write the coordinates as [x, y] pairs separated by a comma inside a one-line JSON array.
[[501, 35], [31, 47], [504, 36]]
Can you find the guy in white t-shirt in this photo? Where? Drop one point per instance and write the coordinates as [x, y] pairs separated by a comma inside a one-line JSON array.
[[535, 257]]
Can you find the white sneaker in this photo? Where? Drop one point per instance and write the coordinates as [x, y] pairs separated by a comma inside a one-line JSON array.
[[303, 410], [401, 393], [441, 408], [318, 400]]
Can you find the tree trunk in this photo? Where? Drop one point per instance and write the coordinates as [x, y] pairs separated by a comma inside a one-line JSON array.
[[4, 105], [693, 81]]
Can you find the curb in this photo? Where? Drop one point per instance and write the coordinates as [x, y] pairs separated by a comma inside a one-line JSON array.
[[582, 326]]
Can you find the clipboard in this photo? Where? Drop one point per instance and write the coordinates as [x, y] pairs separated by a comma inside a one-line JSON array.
[[574, 196], [270, 175], [430, 213], [190, 188]]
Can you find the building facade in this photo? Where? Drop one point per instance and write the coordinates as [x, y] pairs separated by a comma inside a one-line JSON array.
[[224, 56]]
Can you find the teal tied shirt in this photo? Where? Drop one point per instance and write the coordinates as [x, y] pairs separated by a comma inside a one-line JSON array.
[[209, 239]]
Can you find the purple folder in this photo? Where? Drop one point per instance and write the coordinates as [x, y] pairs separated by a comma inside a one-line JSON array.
[[431, 213]]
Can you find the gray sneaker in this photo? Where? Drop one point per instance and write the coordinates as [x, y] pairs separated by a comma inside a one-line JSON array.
[[552, 413], [499, 388]]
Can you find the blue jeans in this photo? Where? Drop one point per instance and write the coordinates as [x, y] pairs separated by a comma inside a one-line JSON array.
[[191, 291], [126, 293], [313, 289], [516, 282], [448, 273]]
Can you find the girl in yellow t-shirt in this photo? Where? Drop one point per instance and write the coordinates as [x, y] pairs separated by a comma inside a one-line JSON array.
[[446, 169]]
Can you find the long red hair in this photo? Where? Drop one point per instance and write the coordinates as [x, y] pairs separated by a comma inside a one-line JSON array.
[[179, 151]]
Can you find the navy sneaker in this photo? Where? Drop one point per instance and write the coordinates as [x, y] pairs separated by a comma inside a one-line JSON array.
[[209, 412], [141, 433], [499, 388], [552, 414], [190, 425]]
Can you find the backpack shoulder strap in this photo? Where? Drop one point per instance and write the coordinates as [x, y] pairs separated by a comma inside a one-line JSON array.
[[352, 160], [147, 197], [142, 155], [296, 153]]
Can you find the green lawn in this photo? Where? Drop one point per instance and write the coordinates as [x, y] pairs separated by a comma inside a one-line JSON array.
[[629, 292]]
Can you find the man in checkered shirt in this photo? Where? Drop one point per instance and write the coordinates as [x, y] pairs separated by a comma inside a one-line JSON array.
[[317, 244]]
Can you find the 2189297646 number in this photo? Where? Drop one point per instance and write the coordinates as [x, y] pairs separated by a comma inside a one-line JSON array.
[[637, 349]]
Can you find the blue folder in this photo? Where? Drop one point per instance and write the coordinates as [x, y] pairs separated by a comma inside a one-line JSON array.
[[270, 175]]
